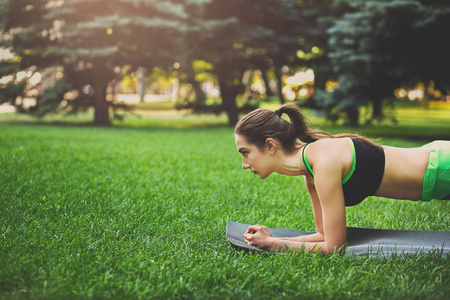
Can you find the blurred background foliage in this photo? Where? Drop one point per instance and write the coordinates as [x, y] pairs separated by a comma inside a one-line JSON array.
[[215, 56]]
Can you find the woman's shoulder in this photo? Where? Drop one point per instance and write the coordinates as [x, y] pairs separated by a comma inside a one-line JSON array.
[[330, 144], [328, 150], [330, 158]]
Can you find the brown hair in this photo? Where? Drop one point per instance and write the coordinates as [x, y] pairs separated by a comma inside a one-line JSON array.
[[259, 125]]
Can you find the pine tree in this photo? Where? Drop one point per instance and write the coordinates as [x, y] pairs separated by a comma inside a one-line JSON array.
[[28, 37], [101, 37], [384, 44], [240, 35], [84, 44]]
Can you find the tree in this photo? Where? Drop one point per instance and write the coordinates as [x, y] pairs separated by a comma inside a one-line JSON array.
[[317, 17], [285, 31], [109, 35], [422, 55], [29, 37], [89, 41], [382, 45], [191, 51], [216, 36], [240, 35]]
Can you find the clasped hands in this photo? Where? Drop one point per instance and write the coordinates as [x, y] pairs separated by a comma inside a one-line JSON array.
[[259, 236]]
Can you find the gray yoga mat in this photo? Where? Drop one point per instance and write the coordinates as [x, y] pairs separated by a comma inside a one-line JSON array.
[[362, 241]]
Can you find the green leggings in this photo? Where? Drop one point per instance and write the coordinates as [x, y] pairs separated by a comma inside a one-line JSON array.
[[436, 183]]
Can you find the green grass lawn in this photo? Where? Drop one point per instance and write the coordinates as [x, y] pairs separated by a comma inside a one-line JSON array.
[[129, 213], [140, 212]]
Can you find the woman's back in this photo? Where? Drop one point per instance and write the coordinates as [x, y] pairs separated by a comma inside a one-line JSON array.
[[403, 173]]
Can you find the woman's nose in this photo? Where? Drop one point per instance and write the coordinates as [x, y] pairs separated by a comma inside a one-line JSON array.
[[245, 165]]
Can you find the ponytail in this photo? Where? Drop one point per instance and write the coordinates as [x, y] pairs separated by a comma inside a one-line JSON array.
[[261, 124], [301, 124]]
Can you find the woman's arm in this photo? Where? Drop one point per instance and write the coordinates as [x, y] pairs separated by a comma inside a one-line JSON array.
[[328, 182], [318, 236], [328, 188], [333, 238]]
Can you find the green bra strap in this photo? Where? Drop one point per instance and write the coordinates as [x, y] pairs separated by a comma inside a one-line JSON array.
[[306, 163], [346, 178]]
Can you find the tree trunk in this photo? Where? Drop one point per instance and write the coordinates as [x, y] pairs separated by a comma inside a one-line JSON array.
[[101, 106], [200, 98], [353, 115], [140, 74], [279, 84], [269, 92], [229, 103], [377, 112], [228, 92]]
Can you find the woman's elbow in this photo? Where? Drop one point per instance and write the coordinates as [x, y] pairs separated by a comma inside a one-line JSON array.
[[331, 248]]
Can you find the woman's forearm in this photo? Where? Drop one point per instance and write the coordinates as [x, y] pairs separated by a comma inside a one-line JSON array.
[[310, 238], [281, 245]]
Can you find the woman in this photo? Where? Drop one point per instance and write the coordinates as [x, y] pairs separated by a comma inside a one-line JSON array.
[[340, 170]]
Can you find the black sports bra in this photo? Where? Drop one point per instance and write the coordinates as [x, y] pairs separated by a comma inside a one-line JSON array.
[[365, 175]]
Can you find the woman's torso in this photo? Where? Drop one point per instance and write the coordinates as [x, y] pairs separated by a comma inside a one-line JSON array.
[[404, 170]]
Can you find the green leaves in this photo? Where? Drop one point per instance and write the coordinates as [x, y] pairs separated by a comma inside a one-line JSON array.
[[382, 45]]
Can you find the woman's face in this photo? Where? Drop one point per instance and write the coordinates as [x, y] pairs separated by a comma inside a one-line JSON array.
[[259, 162]]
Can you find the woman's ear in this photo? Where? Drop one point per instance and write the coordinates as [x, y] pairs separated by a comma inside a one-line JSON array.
[[271, 145]]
